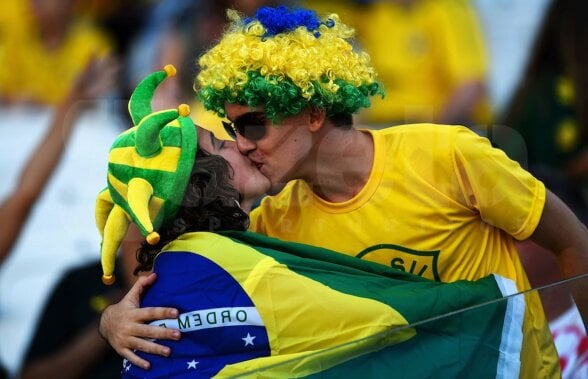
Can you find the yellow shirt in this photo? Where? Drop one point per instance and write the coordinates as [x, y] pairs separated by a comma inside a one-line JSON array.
[[422, 54], [32, 73], [440, 202]]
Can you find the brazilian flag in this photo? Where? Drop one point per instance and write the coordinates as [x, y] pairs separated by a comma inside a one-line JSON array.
[[253, 306]]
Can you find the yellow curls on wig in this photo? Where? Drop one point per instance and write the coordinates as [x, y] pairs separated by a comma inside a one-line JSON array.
[[285, 60]]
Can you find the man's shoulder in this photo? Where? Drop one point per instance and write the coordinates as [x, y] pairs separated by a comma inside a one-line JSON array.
[[420, 135], [419, 128]]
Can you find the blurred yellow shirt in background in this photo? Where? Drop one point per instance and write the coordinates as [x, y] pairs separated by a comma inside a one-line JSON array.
[[422, 51], [30, 71]]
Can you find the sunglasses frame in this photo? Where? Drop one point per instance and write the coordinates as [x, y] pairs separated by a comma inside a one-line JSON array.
[[244, 126]]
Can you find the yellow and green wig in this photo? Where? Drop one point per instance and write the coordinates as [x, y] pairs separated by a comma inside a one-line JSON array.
[[285, 60], [149, 167]]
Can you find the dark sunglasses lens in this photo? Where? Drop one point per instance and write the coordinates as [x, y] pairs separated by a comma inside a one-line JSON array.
[[251, 126], [254, 132], [229, 129]]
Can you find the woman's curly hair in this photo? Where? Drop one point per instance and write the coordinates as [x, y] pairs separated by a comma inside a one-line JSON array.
[[210, 204]]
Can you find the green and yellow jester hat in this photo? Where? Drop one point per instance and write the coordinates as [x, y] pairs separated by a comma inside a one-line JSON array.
[[149, 167], [286, 60]]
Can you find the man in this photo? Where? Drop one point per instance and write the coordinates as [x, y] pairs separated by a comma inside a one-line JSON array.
[[437, 201], [433, 200]]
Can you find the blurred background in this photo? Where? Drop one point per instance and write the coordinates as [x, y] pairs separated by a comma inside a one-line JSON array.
[[67, 68]]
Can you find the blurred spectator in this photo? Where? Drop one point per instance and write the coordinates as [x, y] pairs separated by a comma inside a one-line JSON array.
[[123, 19], [430, 56], [177, 32], [66, 343], [15, 208], [96, 78], [550, 106], [44, 48]]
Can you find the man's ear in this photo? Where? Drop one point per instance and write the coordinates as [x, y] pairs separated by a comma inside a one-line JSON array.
[[317, 118]]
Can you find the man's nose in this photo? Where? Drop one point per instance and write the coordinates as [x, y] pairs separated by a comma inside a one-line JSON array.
[[244, 145]]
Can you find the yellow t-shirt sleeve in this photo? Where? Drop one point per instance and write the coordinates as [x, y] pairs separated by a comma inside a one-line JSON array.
[[506, 195]]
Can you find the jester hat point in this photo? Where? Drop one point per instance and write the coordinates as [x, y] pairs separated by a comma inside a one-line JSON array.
[[149, 167]]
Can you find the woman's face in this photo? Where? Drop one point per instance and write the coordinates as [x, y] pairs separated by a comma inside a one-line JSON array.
[[247, 179]]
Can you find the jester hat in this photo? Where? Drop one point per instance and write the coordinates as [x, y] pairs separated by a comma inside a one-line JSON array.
[[286, 60], [149, 167]]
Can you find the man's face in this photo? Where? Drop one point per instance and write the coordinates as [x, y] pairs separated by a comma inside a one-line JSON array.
[[279, 151], [246, 177]]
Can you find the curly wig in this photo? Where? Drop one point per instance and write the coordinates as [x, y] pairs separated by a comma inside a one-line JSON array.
[[286, 60]]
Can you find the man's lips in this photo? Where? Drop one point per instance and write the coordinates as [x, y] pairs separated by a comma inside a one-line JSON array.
[[258, 165]]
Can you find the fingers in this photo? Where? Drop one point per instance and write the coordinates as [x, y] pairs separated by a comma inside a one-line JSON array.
[[156, 332], [146, 281], [137, 290], [125, 326], [135, 359], [146, 315], [138, 344]]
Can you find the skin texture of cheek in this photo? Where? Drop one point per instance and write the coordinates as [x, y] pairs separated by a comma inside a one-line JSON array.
[[289, 159]]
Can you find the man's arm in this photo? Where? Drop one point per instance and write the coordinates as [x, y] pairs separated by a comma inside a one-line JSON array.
[[123, 325], [561, 232]]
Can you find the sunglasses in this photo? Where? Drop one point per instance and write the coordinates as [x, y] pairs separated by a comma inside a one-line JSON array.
[[249, 125]]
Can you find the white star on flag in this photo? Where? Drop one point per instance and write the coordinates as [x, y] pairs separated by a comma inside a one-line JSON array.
[[126, 365], [192, 364], [248, 340]]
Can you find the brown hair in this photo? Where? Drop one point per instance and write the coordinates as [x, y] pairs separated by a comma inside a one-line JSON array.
[[210, 204]]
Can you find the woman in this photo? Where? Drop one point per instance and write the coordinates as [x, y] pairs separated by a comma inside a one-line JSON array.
[[250, 184]]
